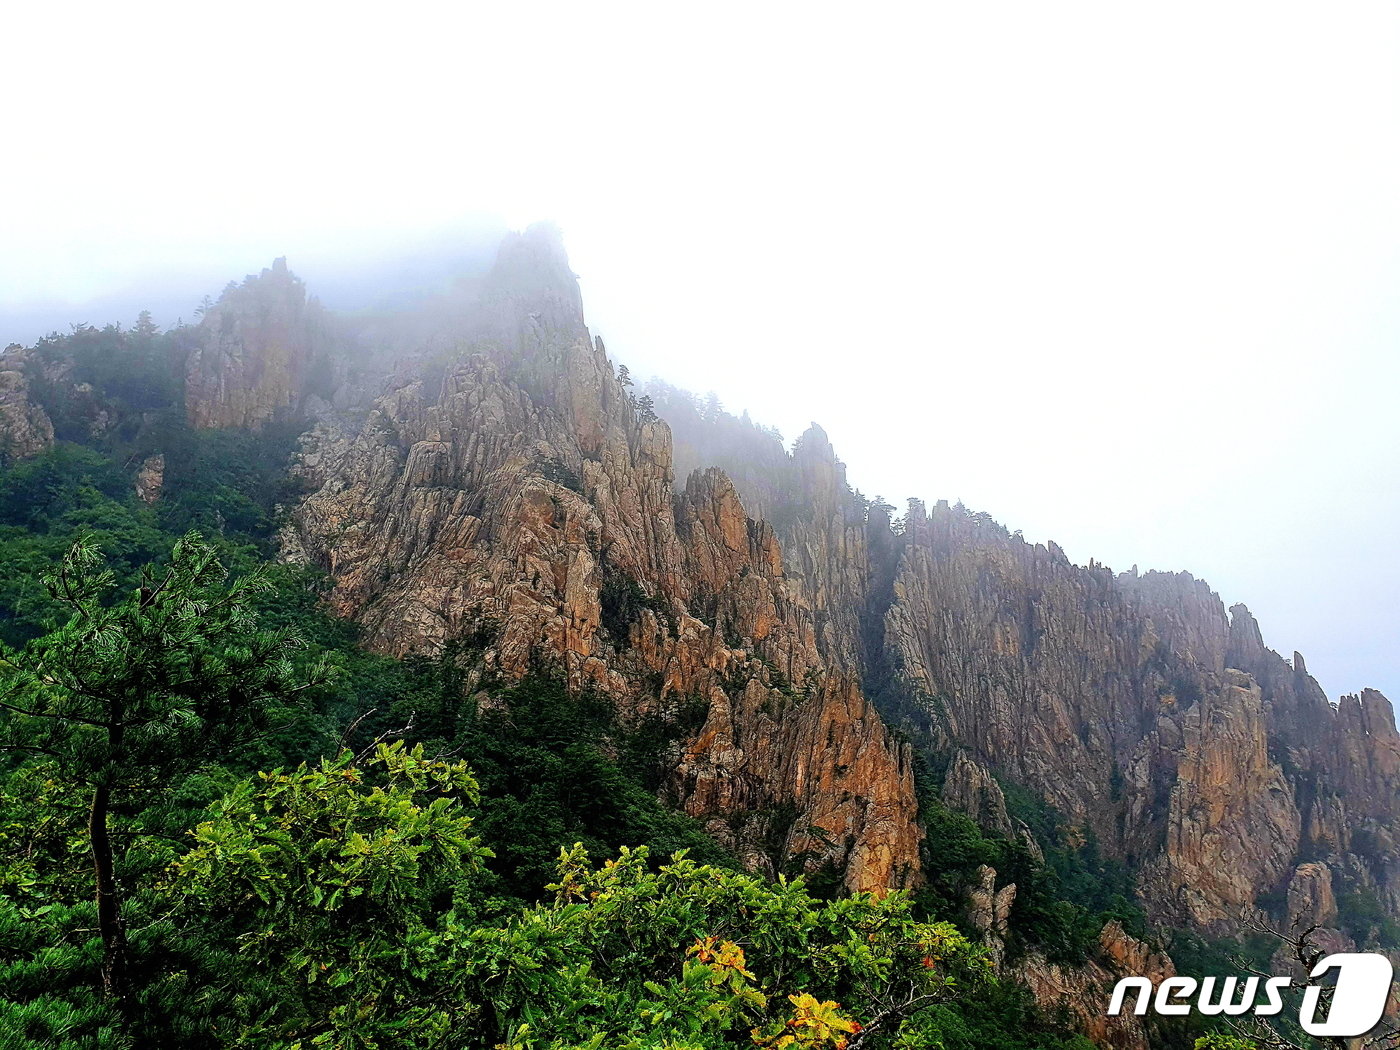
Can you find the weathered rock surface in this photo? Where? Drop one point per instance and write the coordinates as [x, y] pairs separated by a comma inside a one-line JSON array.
[[25, 428], [1083, 991], [256, 349], [478, 473], [969, 788], [1133, 703], [1232, 825], [150, 479], [510, 479], [518, 493], [1311, 900], [989, 912]]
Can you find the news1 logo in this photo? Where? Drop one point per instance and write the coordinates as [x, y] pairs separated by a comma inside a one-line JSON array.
[[1359, 995]]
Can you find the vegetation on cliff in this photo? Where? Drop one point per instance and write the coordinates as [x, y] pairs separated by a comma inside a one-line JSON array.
[[155, 892], [483, 611], [363, 890]]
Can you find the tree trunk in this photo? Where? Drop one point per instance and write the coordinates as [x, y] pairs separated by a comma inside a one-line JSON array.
[[115, 980]]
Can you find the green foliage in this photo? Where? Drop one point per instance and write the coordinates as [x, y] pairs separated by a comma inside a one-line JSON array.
[[1003, 1017], [1062, 902], [605, 963], [46, 504], [622, 600], [556, 471], [135, 687], [1361, 914], [341, 890], [554, 768], [115, 709], [100, 382], [1197, 956], [47, 491], [1218, 1041], [226, 482]]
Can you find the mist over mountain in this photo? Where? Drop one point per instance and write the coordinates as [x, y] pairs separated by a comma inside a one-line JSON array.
[[822, 682], [372, 270], [1071, 462]]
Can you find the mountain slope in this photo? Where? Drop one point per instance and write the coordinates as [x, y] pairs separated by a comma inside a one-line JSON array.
[[483, 487]]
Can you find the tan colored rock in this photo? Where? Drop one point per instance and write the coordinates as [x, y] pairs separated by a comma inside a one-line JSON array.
[[969, 788], [1232, 825], [150, 479], [1311, 901], [1084, 992], [989, 912], [25, 428], [525, 497], [511, 483], [254, 353]]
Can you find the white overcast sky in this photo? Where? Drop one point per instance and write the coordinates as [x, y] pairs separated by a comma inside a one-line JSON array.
[[1122, 274]]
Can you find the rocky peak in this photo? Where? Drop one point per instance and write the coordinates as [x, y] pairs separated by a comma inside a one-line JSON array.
[[969, 788], [1311, 898], [989, 912], [1082, 991], [1233, 826], [1186, 615], [525, 498], [1246, 648], [254, 353], [150, 479]]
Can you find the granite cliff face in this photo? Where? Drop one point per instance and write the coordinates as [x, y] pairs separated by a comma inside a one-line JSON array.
[[1138, 707], [25, 428], [255, 352], [512, 491], [505, 485], [1142, 711], [1082, 990]]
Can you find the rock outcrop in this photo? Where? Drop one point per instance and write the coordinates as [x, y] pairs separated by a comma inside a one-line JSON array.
[[989, 912], [1142, 712], [1311, 900], [519, 495], [150, 479], [480, 478], [1232, 825], [1083, 991], [969, 788], [488, 476], [25, 428], [255, 354], [508, 478], [1080, 993]]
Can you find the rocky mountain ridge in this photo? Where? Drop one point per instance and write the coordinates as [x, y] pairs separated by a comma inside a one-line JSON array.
[[482, 476], [1134, 703], [520, 495]]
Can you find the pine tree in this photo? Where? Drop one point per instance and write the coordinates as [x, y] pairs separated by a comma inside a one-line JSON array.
[[129, 695], [146, 328]]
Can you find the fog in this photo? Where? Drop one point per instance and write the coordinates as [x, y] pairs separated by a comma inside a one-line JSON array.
[[1124, 277]]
